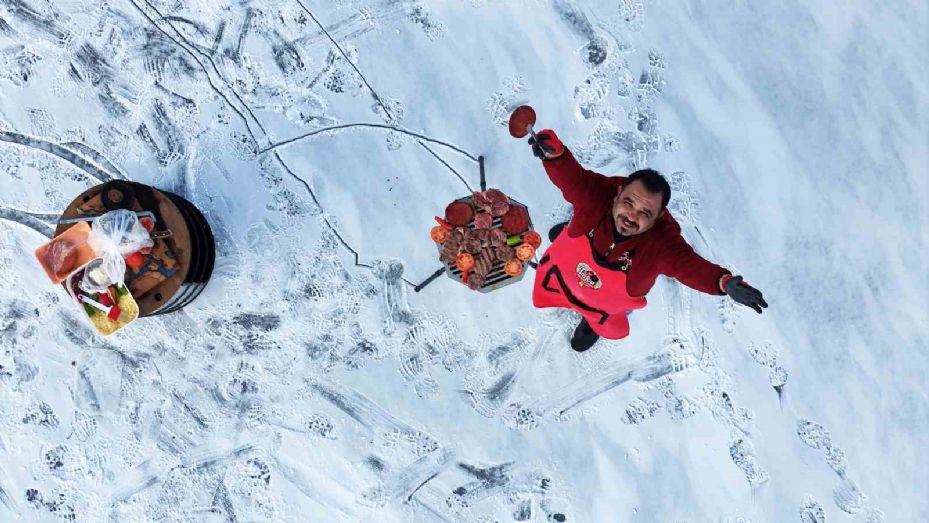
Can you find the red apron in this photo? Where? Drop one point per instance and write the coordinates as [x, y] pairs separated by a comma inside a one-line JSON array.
[[569, 277]]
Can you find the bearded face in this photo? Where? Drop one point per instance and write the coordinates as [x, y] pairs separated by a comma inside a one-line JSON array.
[[636, 209]]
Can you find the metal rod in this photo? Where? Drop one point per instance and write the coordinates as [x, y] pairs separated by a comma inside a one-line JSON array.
[[480, 162], [429, 280]]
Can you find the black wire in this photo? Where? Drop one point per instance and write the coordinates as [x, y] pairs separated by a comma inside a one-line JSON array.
[[377, 98], [376, 125]]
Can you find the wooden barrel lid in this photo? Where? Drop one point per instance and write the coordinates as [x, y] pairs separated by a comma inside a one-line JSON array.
[[179, 241]]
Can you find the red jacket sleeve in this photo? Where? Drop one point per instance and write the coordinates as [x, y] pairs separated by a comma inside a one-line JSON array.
[[577, 184], [679, 261]]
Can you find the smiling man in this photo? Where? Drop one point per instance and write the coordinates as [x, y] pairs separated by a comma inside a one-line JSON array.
[[605, 260]]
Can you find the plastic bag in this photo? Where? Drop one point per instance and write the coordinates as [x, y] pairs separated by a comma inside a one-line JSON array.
[[113, 235]]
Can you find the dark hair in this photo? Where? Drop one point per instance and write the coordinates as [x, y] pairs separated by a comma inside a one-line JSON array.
[[654, 182]]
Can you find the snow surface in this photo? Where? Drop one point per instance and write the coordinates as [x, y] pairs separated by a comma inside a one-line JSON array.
[[301, 387]]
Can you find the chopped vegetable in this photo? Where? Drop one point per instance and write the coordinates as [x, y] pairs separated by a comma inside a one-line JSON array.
[[513, 267], [533, 238], [513, 240], [465, 262], [444, 223], [438, 234], [525, 252], [104, 298], [135, 261]]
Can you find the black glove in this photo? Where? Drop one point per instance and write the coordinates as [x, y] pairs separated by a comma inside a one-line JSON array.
[[548, 146], [745, 294]]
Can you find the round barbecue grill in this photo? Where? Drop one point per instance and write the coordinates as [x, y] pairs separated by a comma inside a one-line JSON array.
[[496, 278]]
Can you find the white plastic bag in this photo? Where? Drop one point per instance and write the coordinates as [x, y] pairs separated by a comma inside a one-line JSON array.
[[114, 235]]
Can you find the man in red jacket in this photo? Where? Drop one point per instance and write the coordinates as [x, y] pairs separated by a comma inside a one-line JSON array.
[[605, 260]]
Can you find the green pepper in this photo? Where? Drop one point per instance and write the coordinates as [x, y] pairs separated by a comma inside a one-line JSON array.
[[121, 290], [513, 240], [89, 310]]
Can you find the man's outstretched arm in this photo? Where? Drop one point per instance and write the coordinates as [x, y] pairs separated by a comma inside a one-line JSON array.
[[681, 262], [575, 182]]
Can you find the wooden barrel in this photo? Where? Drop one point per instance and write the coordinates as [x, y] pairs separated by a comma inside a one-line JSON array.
[[191, 241]]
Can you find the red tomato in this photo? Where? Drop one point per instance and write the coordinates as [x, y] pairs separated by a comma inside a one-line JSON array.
[[135, 261]]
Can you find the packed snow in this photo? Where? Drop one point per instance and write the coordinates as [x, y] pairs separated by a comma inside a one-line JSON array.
[[310, 382]]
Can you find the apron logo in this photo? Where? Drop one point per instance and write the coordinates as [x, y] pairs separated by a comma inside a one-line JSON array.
[[587, 277]]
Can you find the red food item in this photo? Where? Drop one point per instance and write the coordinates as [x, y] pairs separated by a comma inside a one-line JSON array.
[[476, 281], [147, 223], [484, 262], [459, 214], [61, 256], [496, 195], [444, 223], [525, 252], [481, 201], [465, 262], [75, 281], [135, 261], [439, 234], [104, 298], [499, 208], [483, 221], [114, 313], [520, 119], [450, 249], [533, 238], [513, 267], [505, 253], [64, 253], [516, 220], [498, 237]]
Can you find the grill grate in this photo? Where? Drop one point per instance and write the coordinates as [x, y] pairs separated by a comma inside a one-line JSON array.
[[496, 278]]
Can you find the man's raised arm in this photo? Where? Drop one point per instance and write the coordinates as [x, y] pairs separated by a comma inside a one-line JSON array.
[[574, 181]]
